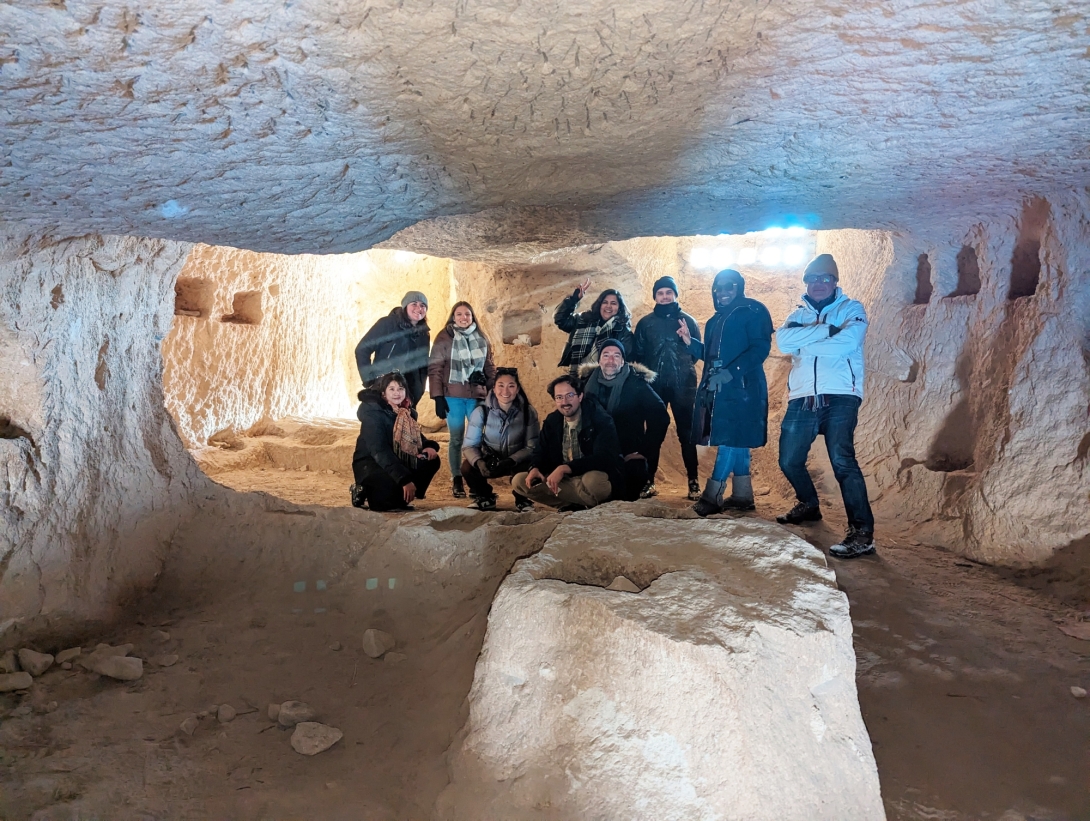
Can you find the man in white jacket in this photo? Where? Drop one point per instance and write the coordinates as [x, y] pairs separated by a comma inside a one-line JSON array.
[[824, 336]]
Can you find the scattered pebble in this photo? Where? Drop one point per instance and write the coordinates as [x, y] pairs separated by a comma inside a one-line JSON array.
[[623, 585], [161, 636], [51, 707], [164, 661], [295, 712], [8, 663], [394, 658], [33, 662], [189, 726], [335, 646], [274, 712], [69, 654], [226, 714], [122, 668], [66, 665], [1078, 692], [377, 642], [311, 738], [15, 681], [202, 714]]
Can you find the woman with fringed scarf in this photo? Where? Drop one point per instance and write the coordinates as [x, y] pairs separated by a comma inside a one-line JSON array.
[[393, 463], [460, 373]]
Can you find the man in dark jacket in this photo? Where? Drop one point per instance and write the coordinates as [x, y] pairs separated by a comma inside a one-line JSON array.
[[637, 411], [732, 400], [577, 462], [658, 347], [398, 342]]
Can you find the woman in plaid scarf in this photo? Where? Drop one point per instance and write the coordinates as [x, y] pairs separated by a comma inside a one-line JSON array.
[[393, 463], [608, 318], [460, 373]]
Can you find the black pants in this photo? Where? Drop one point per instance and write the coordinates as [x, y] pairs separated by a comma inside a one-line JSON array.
[[383, 493], [636, 474], [479, 485], [681, 402]]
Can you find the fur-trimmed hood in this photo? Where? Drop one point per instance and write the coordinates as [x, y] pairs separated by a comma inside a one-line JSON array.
[[645, 373]]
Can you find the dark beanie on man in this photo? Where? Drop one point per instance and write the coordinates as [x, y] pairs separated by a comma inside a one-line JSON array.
[[822, 264], [605, 343], [665, 282]]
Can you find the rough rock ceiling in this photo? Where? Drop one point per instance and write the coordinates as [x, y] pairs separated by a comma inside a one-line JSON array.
[[327, 126]]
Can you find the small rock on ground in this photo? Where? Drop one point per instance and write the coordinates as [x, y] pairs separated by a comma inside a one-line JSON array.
[[8, 663], [189, 726], [66, 665], [69, 654], [295, 712], [33, 662], [226, 713], [161, 636], [623, 585], [122, 668], [274, 712], [377, 642], [15, 681], [1078, 692], [311, 738], [168, 660]]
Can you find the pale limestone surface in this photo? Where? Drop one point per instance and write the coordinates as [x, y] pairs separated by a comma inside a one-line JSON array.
[[724, 690]]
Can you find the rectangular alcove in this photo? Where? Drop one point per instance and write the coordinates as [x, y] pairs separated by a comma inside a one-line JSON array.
[[193, 297], [520, 326], [968, 273], [245, 309]]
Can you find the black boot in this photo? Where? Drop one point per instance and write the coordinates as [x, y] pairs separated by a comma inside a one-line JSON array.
[[711, 500], [459, 490], [694, 490], [800, 514], [358, 499]]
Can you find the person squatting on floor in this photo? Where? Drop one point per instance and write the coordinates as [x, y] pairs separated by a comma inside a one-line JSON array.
[[638, 413], [657, 347], [393, 463], [500, 440], [732, 400], [608, 318], [824, 336], [577, 463], [460, 372], [398, 342]]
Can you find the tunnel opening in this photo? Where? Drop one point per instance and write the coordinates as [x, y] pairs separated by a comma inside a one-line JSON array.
[[968, 268], [924, 287], [1026, 257]]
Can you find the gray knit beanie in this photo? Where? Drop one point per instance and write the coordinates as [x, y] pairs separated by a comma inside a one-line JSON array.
[[413, 296]]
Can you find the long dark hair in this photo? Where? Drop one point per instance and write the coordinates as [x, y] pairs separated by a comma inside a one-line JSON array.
[[380, 385], [450, 320], [622, 309], [514, 374]]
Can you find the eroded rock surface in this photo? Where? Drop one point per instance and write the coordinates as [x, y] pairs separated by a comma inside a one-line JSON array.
[[726, 689]]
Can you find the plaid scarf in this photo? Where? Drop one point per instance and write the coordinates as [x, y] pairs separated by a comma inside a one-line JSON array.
[[584, 339], [407, 438], [467, 354]]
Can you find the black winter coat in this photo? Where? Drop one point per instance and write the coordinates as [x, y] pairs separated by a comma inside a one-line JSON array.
[[597, 440], [395, 344], [375, 444], [658, 347], [736, 416], [639, 416]]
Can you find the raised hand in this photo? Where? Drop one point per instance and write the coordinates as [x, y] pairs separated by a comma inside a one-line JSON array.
[[584, 286], [683, 332]]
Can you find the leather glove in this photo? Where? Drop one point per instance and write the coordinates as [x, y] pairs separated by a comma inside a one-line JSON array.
[[482, 468], [834, 330], [441, 407], [478, 378], [719, 379], [505, 467]]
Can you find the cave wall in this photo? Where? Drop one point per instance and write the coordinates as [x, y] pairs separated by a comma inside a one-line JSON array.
[[94, 479], [268, 335]]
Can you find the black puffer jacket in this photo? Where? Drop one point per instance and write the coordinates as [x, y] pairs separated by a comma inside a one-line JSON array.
[[639, 416], [395, 344], [375, 444], [658, 347], [597, 440]]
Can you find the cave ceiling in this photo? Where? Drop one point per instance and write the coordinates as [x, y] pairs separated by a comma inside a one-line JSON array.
[[326, 126]]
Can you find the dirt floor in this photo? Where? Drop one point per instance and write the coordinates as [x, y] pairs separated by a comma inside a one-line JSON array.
[[964, 681]]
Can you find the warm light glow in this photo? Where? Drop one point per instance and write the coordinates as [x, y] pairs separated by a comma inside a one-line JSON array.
[[747, 256], [794, 255], [404, 257], [722, 258], [770, 255], [795, 231], [700, 257]]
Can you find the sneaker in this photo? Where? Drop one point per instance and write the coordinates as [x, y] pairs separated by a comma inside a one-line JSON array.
[[648, 491], [694, 490], [571, 508], [523, 505], [856, 543], [459, 490], [799, 514], [358, 499], [484, 503]]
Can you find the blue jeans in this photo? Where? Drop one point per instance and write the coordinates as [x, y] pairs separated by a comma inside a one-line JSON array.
[[836, 423], [730, 460], [458, 411]]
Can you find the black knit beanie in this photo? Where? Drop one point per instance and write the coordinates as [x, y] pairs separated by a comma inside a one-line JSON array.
[[665, 282]]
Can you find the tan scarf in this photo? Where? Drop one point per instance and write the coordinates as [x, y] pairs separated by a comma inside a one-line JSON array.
[[407, 438]]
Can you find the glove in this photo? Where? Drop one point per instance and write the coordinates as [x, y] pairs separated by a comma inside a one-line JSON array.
[[504, 467], [719, 379], [441, 407], [834, 330], [477, 378], [482, 468]]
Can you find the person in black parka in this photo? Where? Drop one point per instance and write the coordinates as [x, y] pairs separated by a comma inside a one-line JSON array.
[[393, 463], [658, 347], [398, 342], [732, 400]]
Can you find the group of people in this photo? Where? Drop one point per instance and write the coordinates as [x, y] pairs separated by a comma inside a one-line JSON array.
[[603, 439]]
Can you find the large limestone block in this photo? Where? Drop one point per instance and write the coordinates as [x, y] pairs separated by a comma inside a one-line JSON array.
[[724, 690]]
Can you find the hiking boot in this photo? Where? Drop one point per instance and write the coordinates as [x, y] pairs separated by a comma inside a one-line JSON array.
[[694, 490], [459, 489], [522, 504], [573, 508], [358, 499], [648, 491], [856, 543], [484, 503], [741, 495], [800, 514], [711, 500]]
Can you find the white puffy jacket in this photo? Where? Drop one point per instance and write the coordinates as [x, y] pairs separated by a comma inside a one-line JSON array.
[[822, 363]]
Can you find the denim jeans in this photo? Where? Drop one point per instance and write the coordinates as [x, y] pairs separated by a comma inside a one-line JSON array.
[[458, 411], [836, 423], [730, 460]]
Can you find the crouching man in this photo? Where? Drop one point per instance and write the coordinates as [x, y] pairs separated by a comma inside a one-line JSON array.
[[577, 463], [638, 413]]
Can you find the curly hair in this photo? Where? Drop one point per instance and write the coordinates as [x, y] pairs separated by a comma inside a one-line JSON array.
[[622, 310], [574, 381]]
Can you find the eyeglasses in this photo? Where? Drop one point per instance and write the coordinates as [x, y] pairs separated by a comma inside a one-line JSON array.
[[824, 279], [565, 397]]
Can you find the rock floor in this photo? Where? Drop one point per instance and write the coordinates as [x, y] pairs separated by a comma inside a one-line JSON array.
[[964, 682]]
